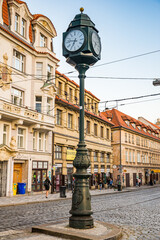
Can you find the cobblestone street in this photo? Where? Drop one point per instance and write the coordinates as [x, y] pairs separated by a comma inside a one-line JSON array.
[[137, 213]]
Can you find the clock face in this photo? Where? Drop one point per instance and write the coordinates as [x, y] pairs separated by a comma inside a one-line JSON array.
[[74, 40], [96, 43]]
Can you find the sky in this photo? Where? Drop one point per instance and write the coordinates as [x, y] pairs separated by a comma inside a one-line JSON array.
[[127, 28]]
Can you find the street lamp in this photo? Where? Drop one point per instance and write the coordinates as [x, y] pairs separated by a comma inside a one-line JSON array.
[[82, 48]]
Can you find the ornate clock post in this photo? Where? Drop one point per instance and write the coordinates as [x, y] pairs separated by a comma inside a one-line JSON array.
[[82, 48]]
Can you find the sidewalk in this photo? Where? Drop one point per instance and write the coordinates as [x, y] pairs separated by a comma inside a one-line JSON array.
[[38, 198]]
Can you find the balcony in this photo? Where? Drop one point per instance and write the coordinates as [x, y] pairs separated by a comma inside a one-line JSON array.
[[12, 112]]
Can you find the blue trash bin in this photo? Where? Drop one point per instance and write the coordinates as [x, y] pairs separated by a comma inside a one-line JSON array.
[[21, 188]]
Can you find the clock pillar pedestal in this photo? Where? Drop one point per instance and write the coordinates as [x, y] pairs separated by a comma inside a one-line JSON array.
[[81, 199]]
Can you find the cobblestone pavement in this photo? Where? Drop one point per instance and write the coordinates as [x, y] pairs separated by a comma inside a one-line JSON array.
[[137, 212]]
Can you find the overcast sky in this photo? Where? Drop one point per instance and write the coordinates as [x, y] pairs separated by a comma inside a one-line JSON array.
[[127, 28]]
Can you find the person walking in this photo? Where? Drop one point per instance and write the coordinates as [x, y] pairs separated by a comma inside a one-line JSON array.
[[111, 182], [47, 184], [139, 182]]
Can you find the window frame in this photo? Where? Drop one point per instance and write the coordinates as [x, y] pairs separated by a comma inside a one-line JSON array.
[[59, 117], [43, 40], [70, 120], [21, 136], [18, 62], [38, 104], [18, 97]]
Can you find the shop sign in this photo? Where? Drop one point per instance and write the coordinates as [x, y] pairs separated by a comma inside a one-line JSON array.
[[155, 170], [71, 154], [69, 165]]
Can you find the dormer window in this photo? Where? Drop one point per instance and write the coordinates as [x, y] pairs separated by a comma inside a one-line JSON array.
[[127, 122], [17, 22], [23, 28], [139, 127], [43, 41], [149, 131], [133, 125], [144, 129]]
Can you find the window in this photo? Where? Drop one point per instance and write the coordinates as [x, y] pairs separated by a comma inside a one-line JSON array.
[[95, 156], [18, 61], [23, 28], [49, 103], [39, 104], [129, 138], [130, 156], [107, 133], [70, 120], [34, 141], [39, 70], [43, 40], [126, 155], [40, 141], [132, 139], [59, 117], [45, 141], [58, 152], [17, 96], [108, 158], [21, 133], [70, 94], [17, 23], [125, 137], [88, 127], [102, 157], [138, 140], [95, 129], [88, 103], [138, 157], [133, 156], [102, 132], [49, 72], [59, 90], [5, 134]]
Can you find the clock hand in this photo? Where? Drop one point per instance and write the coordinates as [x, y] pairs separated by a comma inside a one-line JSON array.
[[74, 41]]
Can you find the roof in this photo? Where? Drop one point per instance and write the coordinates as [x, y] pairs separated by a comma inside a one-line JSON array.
[[5, 15], [100, 117], [68, 79], [120, 120]]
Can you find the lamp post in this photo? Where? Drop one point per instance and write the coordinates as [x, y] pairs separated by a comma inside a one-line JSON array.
[[82, 48]]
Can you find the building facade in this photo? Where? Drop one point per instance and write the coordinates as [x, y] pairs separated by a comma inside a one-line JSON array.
[[136, 149], [27, 90], [66, 135]]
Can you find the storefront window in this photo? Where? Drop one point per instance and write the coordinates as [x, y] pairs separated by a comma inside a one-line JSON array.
[[39, 174]]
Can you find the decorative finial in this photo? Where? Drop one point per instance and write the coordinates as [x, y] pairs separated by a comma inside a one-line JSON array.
[[81, 9]]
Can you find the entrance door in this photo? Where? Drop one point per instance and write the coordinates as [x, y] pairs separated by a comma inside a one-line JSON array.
[[127, 180], [134, 179], [17, 173], [38, 178]]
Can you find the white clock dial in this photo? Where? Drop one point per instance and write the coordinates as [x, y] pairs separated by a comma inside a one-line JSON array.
[[74, 40], [96, 43]]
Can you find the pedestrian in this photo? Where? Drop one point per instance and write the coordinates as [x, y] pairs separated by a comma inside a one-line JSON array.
[[136, 182], [139, 182], [111, 182], [100, 185], [47, 184]]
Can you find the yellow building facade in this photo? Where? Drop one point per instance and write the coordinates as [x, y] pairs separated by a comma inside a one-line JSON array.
[[136, 149], [66, 135]]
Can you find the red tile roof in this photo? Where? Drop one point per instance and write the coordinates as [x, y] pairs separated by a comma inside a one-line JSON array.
[[68, 79], [118, 118], [30, 33], [100, 117], [5, 13]]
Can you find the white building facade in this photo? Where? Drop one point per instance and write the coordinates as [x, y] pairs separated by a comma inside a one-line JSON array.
[[27, 96]]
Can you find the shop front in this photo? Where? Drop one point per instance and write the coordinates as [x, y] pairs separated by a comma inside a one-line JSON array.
[[95, 177], [58, 177], [39, 174], [69, 177]]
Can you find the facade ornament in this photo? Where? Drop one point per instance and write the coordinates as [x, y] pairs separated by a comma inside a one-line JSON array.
[[13, 144], [5, 74]]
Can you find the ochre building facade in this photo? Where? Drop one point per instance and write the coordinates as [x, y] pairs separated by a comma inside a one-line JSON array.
[[66, 135], [136, 149]]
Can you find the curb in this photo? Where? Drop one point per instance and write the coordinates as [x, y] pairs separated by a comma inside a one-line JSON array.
[[70, 197]]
